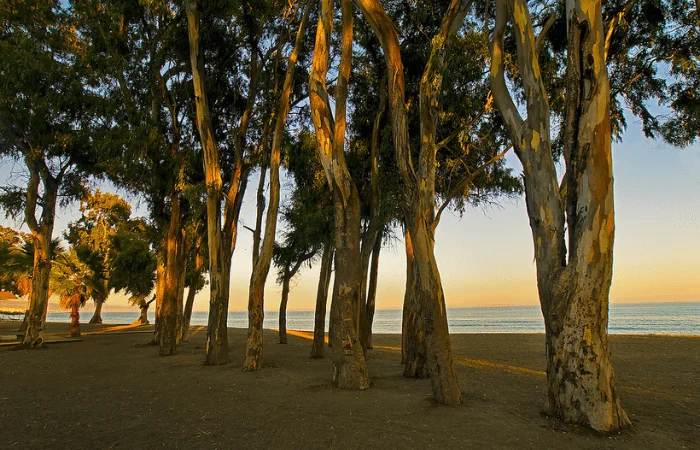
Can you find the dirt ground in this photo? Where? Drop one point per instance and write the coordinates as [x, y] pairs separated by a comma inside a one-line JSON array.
[[113, 391]]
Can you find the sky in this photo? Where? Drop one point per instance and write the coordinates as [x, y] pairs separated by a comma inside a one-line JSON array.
[[486, 257]]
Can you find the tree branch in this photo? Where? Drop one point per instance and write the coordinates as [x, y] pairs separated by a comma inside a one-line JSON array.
[[463, 184]]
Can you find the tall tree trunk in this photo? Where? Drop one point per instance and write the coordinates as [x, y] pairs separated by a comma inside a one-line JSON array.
[[260, 211], [324, 280], [219, 251], [371, 295], [373, 229], [283, 307], [574, 293], [182, 270], [262, 265], [75, 319], [349, 365], [41, 236], [169, 309], [413, 352], [97, 316], [192, 292], [160, 292], [420, 188]]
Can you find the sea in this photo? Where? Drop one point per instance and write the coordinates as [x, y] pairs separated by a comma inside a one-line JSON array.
[[629, 318]]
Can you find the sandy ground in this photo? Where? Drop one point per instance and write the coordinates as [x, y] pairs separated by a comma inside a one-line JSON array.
[[112, 391]]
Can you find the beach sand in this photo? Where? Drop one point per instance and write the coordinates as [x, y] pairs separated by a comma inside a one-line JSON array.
[[113, 391]]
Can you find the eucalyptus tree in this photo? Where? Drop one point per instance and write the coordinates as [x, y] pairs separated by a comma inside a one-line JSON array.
[[309, 221], [349, 365], [139, 51], [612, 55], [424, 78], [47, 115]]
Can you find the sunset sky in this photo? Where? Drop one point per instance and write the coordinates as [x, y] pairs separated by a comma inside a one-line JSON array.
[[486, 257]]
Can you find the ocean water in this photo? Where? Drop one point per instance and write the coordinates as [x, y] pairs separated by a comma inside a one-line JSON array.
[[636, 318]]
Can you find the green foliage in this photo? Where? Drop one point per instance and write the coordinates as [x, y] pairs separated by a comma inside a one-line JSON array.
[[132, 261]]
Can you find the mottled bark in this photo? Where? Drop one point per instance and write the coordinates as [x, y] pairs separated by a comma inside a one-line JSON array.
[[573, 292], [413, 352], [324, 280], [349, 365], [97, 316], [368, 316], [419, 188], [256, 293]]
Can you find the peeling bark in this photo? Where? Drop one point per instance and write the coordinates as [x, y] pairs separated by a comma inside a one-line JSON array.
[[321, 300], [420, 187], [349, 365], [219, 251], [573, 292], [160, 293]]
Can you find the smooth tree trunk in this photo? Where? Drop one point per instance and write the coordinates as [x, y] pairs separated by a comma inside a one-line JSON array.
[[41, 231], [256, 292], [283, 309], [368, 316], [75, 319], [97, 316], [349, 365], [419, 215], [169, 309], [324, 280], [192, 291], [182, 268], [221, 241], [289, 273], [373, 233], [573, 291]]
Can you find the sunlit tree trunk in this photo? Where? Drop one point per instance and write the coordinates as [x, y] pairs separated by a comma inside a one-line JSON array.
[[368, 316], [41, 236], [324, 280], [573, 291], [143, 307], [219, 251], [349, 366], [169, 309], [160, 292], [419, 215], [97, 316], [412, 332], [258, 278]]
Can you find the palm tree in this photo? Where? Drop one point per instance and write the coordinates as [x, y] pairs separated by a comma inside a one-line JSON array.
[[76, 280]]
